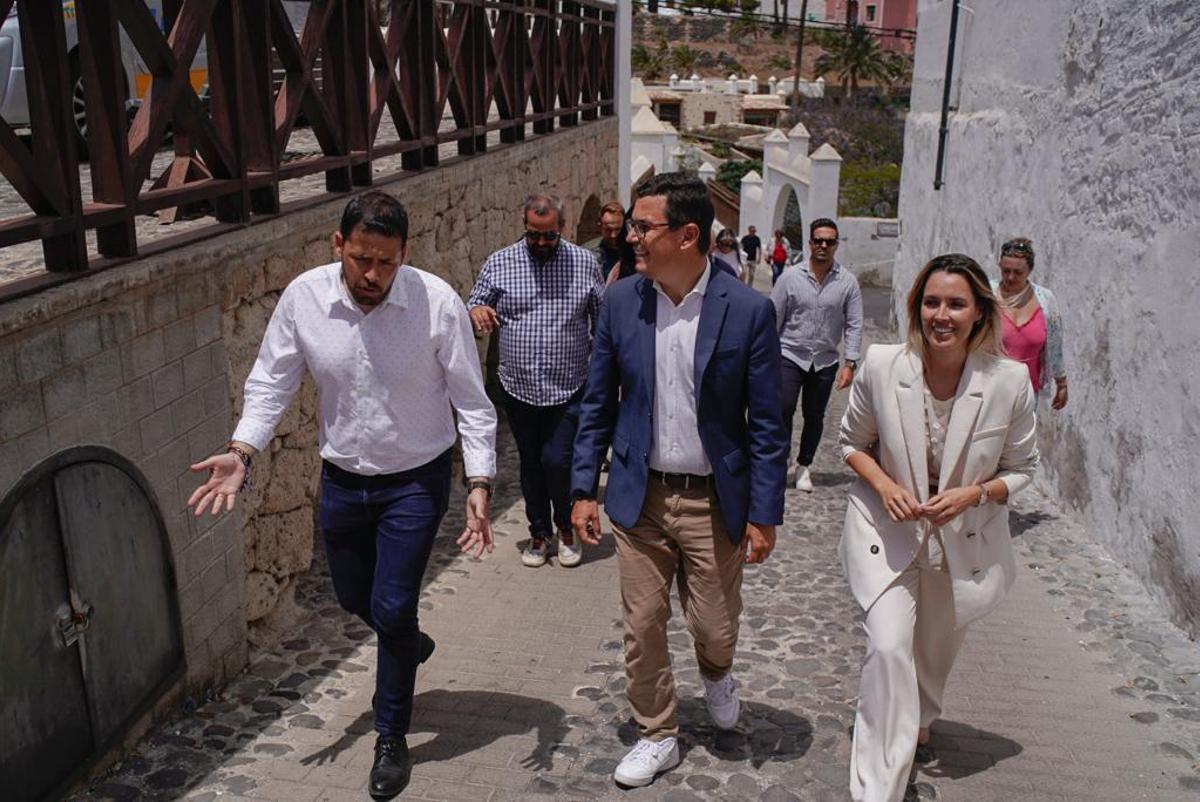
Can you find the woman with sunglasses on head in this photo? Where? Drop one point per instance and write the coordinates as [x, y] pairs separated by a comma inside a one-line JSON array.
[[941, 432], [1032, 330]]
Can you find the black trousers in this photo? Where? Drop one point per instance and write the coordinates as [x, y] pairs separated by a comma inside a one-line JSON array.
[[545, 437], [812, 388]]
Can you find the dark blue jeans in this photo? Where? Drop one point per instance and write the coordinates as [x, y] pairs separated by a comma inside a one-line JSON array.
[[776, 271], [814, 388], [379, 531], [545, 437]]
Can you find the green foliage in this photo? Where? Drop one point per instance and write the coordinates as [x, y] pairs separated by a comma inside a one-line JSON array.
[[778, 61], [869, 190], [683, 58], [720, 150], [855, 56], [730, 173], [650, 62], [727, 6]]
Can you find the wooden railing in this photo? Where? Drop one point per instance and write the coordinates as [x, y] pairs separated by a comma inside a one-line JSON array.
[[500, 66]]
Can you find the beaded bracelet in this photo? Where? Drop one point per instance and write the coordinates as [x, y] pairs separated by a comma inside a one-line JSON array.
[[248, 478]]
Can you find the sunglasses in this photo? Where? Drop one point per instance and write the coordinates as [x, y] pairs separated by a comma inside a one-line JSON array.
[[1015, 247], [828, 242], [545, 236]]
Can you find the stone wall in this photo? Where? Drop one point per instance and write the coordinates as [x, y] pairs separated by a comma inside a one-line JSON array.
[[149, 359], [869, 256], [1074, 127]]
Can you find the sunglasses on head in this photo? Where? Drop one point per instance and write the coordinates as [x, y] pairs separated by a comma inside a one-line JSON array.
[[1015, 247], [545, 236], [828, 242]]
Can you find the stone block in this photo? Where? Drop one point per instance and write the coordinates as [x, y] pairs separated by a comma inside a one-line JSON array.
[[99, 419], [197, 368], [142, 355], [156, 430], [280, 544], [209, 437], [293, 480], [191, 599], [179, 338], [40, 355], [117, 325], [213, 578], [32, 447], [21, 410], [102, 372], [196, 557], [216, 396], [63, 433], [81, 339], [161, 305], [64, 392], [220, 360], [262, 594], [208, 325], [168, 384], [128, 441], [135, 400], [188, 411]]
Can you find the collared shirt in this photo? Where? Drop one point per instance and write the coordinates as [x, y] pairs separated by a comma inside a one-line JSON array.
[[675, 445], [547, 317], [814, 316], [389, 381]]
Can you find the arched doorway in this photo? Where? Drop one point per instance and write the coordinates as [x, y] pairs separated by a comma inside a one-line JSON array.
[[787, 216], [589, 221], [89, 626]]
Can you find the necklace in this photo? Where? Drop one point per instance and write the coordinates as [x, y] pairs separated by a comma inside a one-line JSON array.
[[1016, 301]]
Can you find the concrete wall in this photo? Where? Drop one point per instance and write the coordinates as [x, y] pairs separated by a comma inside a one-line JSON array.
[[1075, 127], [728, 109], [149, 359], [869, 256]]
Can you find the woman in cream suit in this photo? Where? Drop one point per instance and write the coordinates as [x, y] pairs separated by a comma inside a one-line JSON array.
[[940, 431]]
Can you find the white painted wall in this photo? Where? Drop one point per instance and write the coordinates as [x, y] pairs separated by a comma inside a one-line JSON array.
[[1076, 126], [867, 255]]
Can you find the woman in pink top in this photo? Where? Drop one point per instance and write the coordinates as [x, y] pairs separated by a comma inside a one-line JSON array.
[[1031, 328]]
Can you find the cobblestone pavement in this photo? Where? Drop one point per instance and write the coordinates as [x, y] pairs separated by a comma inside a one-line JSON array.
[[1076, 688]]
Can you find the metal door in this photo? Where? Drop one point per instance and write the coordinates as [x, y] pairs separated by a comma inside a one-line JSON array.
[[88, 622]]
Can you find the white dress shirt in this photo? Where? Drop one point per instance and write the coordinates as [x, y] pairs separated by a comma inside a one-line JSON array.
[[676, 446], [389, 380]]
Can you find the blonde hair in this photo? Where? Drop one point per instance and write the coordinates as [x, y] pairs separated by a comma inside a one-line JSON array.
[[986, 334]]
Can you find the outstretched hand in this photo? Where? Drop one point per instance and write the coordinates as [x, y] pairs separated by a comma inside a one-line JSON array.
[[477, 535], [226, 474]]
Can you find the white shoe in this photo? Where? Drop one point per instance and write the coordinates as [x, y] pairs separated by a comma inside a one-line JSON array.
[[535, 556], [720, 697], [569, 555], [804, 481], [644, 762]]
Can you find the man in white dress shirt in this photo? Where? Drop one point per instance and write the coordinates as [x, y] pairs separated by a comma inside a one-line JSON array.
[[394, 359]]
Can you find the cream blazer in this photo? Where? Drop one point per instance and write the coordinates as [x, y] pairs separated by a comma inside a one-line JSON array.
[[992, 434]]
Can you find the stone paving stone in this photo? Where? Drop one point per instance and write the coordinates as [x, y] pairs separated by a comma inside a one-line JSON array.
[[524, 697]]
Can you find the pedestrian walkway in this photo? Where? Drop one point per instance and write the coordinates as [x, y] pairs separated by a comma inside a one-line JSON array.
[[1074, 689]]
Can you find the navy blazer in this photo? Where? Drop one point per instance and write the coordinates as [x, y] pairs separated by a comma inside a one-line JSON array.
[[739, 405]]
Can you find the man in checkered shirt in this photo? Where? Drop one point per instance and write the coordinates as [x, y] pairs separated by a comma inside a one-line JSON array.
[[542, 295]]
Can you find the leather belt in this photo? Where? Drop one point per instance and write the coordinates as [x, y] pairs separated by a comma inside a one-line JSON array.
[[681, 481]]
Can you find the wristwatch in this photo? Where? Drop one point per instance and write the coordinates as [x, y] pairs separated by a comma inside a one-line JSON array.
[[851, 363], [480, 484]]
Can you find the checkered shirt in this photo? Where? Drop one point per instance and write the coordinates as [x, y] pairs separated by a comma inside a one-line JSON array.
[[547, 317]]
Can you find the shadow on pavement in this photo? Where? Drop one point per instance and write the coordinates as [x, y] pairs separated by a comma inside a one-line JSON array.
[[1022, 522], [959, 750], [763, 735]]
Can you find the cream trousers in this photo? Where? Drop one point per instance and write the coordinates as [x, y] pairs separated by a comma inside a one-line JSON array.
[[911, 646]]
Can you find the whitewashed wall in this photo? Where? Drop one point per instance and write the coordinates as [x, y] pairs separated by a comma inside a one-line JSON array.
[[1077, 126]]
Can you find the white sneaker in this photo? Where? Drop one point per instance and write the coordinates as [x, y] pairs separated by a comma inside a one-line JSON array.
[[804, 481], [569, 554], [534, 555], [720, 697], [644, 762]]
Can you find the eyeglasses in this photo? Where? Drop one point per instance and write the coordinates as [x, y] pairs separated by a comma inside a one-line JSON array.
[[828, 242], [1015, 247], [726, 243], [641, 228], [545, 236]]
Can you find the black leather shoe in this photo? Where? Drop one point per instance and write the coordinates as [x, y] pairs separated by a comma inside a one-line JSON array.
[[425, 648], [392, 767]]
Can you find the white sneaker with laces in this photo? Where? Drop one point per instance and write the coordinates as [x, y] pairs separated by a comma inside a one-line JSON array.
[[804, 481], [645, 761], [720, 697], [569, 554], [534, 555]]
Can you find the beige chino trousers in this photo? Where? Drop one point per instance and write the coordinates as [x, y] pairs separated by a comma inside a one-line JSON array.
[[911, 646], [680, 533]]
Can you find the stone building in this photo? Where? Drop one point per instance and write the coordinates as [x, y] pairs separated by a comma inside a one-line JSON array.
[[1074, 124]]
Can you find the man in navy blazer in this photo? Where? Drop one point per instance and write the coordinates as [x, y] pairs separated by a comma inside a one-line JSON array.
[[684, 384]]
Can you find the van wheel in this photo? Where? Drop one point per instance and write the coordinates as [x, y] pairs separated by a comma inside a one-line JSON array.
[[78, 108]]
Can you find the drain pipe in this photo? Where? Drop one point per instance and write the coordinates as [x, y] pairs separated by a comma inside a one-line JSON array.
[[943, 129]]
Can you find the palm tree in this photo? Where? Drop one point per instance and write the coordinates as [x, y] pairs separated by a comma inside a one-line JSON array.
[[854, 56]]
